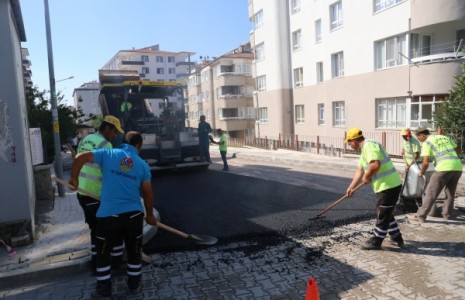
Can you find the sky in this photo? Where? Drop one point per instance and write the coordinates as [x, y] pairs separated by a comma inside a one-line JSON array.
[[88, 33]]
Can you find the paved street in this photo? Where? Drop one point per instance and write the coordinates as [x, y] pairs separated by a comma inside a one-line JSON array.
[[430, 266]]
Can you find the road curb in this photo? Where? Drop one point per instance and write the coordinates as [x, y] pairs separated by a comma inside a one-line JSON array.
[[57, 269]]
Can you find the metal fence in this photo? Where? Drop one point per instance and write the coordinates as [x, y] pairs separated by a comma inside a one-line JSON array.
[[334, 145]]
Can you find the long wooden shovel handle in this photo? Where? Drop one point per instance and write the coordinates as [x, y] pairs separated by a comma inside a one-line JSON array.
[[81, 191], [171, 229], [159, 224], [338, 201]]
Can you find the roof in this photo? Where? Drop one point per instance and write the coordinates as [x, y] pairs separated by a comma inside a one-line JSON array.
[[19, 19]]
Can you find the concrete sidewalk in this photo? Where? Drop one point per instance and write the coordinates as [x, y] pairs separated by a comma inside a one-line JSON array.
[[430, 266]]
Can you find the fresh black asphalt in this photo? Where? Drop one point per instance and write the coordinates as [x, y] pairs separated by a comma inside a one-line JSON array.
[[232, 207]]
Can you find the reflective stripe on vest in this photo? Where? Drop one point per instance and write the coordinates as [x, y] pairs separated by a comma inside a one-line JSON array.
[[102, 144], [442, 155], [97, 172], [90, 176], [383, 162]]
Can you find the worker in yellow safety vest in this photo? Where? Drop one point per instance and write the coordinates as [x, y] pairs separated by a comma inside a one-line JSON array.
[[446, 175], [90, 180], [411, 150], [376, 168]]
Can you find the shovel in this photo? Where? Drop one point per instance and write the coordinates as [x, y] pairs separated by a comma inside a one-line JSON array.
[[320, 215], [198, 238]]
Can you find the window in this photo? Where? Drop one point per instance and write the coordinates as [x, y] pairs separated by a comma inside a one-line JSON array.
[[263, 115], [260, 51], [144, 58], [298, 77], [171, 59], [204, 76], [387, 52], [160, 71], [339, 117], [420, 45], [258, 19], [337, 63], [295, 6], [171, 70], [319, 72], [391, 113], [299, 114], [296, 39], [159, 59], [261, 83], [335, 15], [321, 113], [379, 5], [318, 31], [422, 109], [145, 70]]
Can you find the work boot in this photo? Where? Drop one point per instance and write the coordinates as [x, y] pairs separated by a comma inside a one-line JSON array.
[[133, 284], [372, 244], [104, 288], [397, 241]]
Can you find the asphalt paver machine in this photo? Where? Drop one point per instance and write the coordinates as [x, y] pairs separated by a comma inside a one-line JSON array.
[[156, 110]]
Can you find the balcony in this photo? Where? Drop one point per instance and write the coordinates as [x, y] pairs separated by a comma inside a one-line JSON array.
[[185, 63], [438, 53], [132, 62]]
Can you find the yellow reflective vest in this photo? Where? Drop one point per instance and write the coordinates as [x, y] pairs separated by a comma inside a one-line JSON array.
[[387, 176], [90, 177], [443, 150]]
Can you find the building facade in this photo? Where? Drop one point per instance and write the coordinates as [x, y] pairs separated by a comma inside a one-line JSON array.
[[18, 198], [323, 67], [222, 90], [152, 63], [86, 98]]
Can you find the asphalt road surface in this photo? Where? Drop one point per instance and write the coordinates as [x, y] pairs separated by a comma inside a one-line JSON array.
[[234, 207]]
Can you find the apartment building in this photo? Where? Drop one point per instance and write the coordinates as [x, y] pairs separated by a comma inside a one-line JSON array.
[[86, 98], [323, 67], [27, 73], [222, 90], [152, 63]]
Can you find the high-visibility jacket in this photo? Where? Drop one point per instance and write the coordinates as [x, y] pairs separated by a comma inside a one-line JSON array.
[[443, 150], [224, 145], [126, 106], [90, 177], [410, 147], [387, 176]]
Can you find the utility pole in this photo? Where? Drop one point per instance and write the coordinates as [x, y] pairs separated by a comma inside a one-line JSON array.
[[53, 102]]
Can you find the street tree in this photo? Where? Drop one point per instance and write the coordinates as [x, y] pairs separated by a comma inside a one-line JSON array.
[[450, 115], [40, 116]]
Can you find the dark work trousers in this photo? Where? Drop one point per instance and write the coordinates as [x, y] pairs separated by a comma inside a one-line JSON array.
[[439, 181], [385, 222], [225, 161], [110, 230], [90, 207], [204, 150]]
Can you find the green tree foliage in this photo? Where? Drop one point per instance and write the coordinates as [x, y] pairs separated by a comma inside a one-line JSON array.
[[451, 113], [40, 116]]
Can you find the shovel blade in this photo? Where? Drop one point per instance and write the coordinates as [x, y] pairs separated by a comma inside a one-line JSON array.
[[317, 217], [203, 239]]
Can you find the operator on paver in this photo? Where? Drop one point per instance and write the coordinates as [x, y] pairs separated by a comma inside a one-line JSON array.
[[375, 167], [446, 175], [411, 149], [204, 129], [90, 180], [126, 176]]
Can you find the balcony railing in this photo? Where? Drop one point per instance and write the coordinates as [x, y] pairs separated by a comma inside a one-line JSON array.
[[439, 52]]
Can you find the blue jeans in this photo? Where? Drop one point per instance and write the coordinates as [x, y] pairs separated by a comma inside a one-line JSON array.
[[204, 150], [225, 162]]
